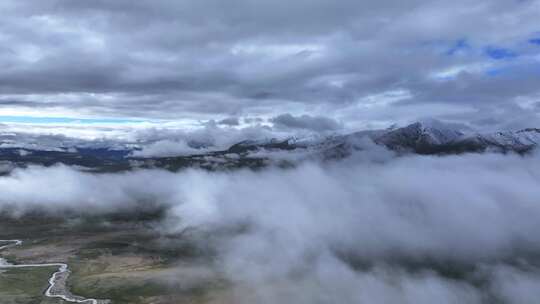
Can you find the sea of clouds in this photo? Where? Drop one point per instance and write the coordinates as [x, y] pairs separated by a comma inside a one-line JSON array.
[[371, 229]]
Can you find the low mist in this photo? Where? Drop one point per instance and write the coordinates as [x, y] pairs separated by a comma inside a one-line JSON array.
[[370, 229]]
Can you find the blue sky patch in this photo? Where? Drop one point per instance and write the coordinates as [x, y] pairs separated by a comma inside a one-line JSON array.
[[499, 53], [535, 41]]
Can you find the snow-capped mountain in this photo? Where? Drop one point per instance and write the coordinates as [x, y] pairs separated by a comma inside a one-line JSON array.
[[419, 138], [422, 139]]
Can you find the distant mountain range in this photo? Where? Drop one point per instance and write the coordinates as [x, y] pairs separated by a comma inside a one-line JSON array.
[[418, 138]]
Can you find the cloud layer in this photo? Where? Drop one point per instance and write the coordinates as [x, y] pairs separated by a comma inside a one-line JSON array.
[[357, 62], [457, 229]]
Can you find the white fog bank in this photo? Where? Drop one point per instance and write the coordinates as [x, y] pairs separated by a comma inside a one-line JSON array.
[[336, 233]]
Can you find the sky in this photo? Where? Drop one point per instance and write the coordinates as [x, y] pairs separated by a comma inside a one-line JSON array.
[[318, 65]]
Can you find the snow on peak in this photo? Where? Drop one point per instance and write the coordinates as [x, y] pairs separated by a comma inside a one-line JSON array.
[[526, 137]]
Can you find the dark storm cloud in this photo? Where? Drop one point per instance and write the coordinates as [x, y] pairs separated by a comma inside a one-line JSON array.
[[177, 59]]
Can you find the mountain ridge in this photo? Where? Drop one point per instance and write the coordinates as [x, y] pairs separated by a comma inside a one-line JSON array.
[[416, 138]]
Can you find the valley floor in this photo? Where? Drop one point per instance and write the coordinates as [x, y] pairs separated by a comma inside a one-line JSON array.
[[121, 261]]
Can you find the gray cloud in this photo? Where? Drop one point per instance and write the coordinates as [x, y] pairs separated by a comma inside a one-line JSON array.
[[231, 121], [166, 59], [306, 122]]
